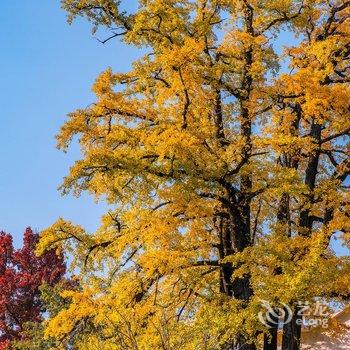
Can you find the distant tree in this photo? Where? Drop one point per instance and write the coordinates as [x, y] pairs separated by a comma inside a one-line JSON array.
[[21, 275], [33, 333]]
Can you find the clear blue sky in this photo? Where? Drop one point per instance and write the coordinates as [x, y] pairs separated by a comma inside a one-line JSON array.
[[47, 69]]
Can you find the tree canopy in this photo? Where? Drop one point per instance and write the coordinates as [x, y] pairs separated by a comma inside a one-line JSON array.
[[224, 159]]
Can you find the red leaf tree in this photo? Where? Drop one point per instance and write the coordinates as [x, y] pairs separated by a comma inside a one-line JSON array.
[[21, 274]]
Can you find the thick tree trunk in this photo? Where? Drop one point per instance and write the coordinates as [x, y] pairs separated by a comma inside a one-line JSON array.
[[292, 331], [235, 236], [292, 334], [270, 341]]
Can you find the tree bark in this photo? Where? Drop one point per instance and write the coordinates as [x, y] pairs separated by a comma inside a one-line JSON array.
[[234, 238], [292, 331], [239, 230], [270, 339], [292, 334]]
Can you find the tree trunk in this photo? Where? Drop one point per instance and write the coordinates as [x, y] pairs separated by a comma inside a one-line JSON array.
[[238, 346], [240, 211], [235, 236], [292, 333], [270, 339], [245, 347]]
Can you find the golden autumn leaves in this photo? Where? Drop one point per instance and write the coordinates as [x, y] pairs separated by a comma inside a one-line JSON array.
[[228, 177]]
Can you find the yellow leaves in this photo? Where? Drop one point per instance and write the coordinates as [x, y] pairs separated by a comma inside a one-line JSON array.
[[58, 234], [186, 54], [104, 83], [288, 269], [95, 12], [236, 42], [158, 22], [179, 145], [81, 307], [315, 107], [285, 180], [220, 321], [283, 143], [213, 315]]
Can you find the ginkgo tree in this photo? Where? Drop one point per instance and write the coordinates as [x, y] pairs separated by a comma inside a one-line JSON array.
[[227, 176]]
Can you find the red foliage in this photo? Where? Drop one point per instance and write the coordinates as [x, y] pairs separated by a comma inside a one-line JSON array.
[[21, 274]]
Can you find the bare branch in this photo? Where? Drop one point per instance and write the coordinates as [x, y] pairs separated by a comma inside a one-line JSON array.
[[339, 134]]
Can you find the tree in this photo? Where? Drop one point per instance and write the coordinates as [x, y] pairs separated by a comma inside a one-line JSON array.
[[32, 334], [227, 174], [21, 274]]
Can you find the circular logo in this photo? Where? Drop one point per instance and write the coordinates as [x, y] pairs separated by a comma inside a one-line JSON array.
[[274, 315]]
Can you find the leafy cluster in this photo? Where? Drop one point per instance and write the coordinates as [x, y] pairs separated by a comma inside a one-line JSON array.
[[22, 273]]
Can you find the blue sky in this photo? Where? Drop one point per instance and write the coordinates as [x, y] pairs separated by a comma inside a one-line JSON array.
[[47, 69]]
